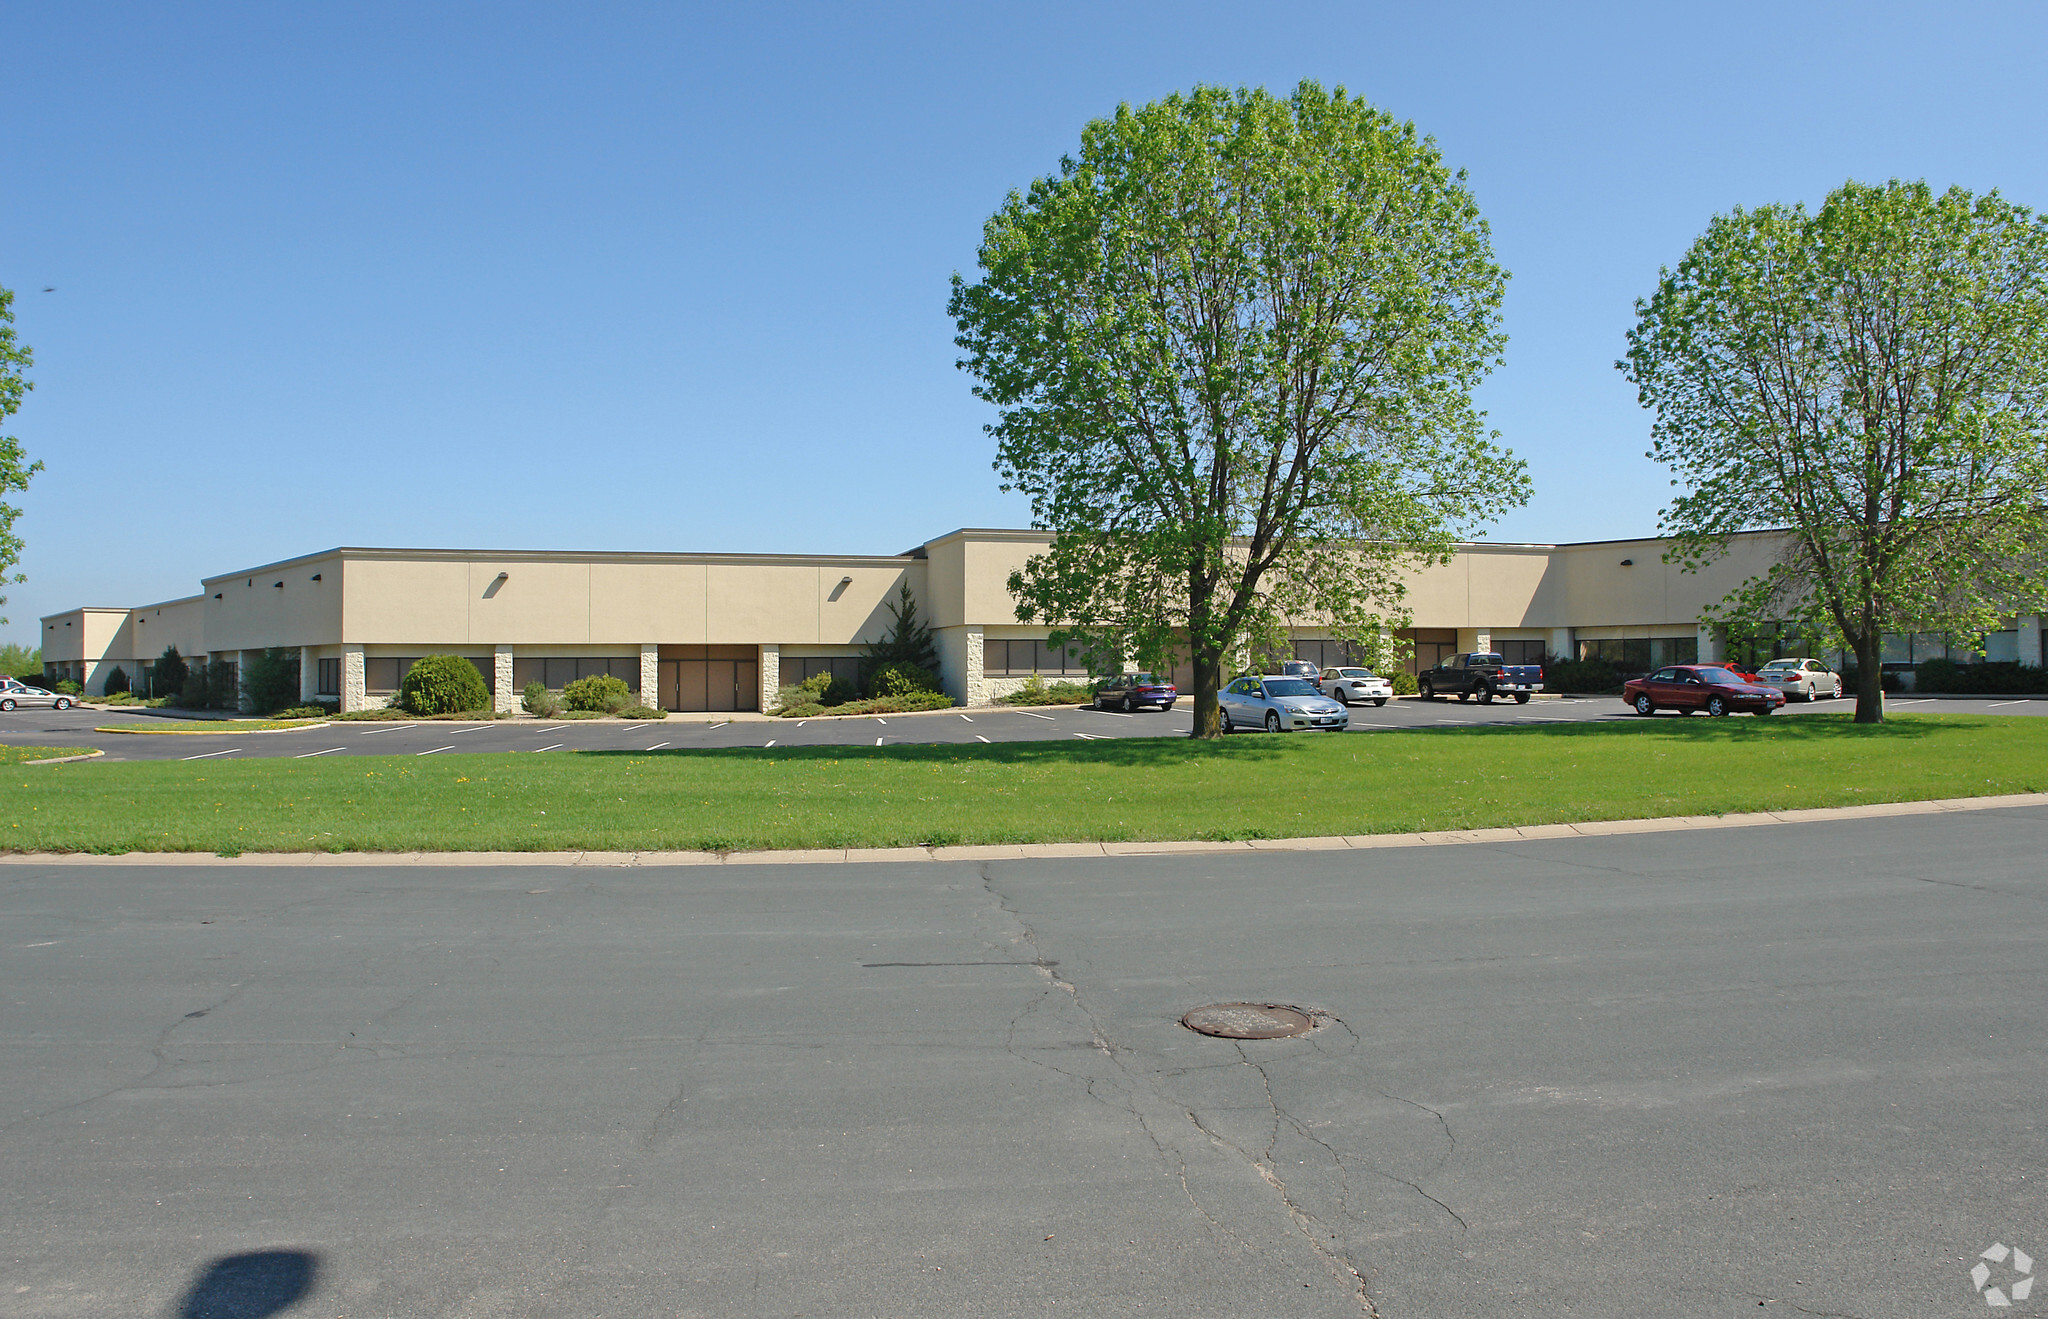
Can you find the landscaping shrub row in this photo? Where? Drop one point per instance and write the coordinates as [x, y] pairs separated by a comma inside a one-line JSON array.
[[907, 703], [2000, 679]]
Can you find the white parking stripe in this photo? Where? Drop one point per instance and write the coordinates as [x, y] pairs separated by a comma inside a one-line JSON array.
[[449, 747], [659, 745], [478, 729], [310, 754], [538, 750], [880, 720], [1091, 737], [979, 738], [551, 728], [397, 729], [771, 742], [1048, 718], [1995, 704], [720, 724], [878, 741], [801, 722], [969, 720], [1118, 713], [211, 754]]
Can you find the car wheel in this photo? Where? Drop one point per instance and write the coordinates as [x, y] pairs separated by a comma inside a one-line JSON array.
[[1485, 695], [1644, 705], [1380, 702], [1716, 706], [1521, 698], [1272, 721], [1127, 705], [1223, 719], [60, 704], [6, 704], [1427, 692]]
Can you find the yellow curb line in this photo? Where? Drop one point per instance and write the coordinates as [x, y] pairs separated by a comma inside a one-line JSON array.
[[1046, 851], [64, 760], [210, 732]]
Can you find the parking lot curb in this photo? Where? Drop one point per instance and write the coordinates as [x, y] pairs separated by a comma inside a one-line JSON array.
[[1042, 851]]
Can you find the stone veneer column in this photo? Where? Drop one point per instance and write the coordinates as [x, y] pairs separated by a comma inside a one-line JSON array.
[[1710, 644], [309, 674], [770, 676], [650, 674], [974, 661], [503, 698], [352, 678]]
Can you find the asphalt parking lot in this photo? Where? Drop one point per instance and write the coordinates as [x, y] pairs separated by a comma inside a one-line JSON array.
[[1792, 1069], [74, 728]]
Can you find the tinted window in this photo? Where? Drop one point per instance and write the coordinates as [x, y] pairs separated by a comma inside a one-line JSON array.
[[1487, 659], [1664, 675], [1721, 675], [1289, 687], [1354, 673], [1146, 680]]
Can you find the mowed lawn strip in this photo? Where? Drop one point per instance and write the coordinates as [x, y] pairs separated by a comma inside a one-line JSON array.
[[1249, 786], [17, 755]]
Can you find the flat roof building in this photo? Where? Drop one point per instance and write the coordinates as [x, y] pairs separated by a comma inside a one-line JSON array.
[[723, 631]]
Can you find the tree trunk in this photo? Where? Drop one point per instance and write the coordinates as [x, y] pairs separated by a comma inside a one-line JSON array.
[[1870, 679], [1208, 681]]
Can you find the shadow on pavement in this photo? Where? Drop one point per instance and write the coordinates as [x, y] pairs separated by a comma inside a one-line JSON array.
[[252, 1285]]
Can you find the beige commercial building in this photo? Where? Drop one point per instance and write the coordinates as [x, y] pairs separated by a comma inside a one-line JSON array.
[[722, 631]]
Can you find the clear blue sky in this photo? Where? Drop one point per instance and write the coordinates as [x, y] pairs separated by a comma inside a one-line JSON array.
[[606, 277]]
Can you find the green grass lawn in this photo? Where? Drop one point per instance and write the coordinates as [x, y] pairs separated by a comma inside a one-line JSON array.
[[193, 726], [1166, 788], [16, 755]]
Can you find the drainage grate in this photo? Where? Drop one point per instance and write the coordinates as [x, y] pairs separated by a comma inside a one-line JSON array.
[[1249, 1021]]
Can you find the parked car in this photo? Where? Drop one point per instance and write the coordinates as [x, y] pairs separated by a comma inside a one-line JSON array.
[[1689, 687], [1136, 691], [1347, 685], [1277, 704], [1482, 674], [1808, 679], [29, 698], [1308, 672]]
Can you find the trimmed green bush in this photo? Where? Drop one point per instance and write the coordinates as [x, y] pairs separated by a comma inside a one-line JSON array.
[[2000, 679], [875, 705], [1404, 683], [902, 678], [642, 712], [442, 684], [1037, 691], [302, 712], [66, 687], [117, 681], [538, 700], [1592, 677], [600, 692]]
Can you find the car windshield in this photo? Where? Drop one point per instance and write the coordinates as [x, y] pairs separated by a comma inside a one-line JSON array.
[[1781, 664], [1289, 687], [1145, 680], [1720, 675], [1354, 673]]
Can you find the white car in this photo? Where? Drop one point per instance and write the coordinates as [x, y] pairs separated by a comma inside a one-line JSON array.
[[30, 697], [1348, 685], [1801, 679]]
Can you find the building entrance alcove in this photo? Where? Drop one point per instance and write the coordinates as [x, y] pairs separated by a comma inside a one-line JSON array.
[[710, 678]]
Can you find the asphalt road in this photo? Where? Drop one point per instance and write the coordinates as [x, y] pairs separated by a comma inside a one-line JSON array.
[[74, 728], [1773, 1070]]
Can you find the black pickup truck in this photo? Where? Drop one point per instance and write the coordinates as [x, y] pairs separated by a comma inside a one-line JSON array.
[[1483, 675]]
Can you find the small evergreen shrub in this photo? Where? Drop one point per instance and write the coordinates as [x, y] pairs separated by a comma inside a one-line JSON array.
[[600, 692], [874, 705], [811, 691], [1887, 680], [642, 712], [66, 687], [442, 684], [117, 681], [301, 712], [538, 700], [167, 678], [1037, 691], [271, 680], [1404, 683]]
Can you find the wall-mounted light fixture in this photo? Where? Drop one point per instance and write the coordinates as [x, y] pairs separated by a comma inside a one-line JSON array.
[[278, 585], [216, 595], [504, 577], [1628, 563], [316, 577], [846, 581]]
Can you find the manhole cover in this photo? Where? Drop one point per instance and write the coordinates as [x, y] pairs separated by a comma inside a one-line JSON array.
[[1248, 1021]]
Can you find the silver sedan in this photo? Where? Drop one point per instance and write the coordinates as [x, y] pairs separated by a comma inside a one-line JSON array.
[[33, 698], [1279, 703]]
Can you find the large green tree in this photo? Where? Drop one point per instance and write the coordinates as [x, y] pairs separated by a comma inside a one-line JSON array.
[[1872, 378], [1233, 342], [15, 468]]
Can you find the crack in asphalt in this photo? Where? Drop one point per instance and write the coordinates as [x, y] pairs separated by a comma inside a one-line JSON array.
[[157, 1050], [1305, 1222]]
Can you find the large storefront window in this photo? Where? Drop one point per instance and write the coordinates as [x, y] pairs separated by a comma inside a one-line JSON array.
[[1019, 657], [382, 674], [329, 683], [556, 672], [1634, 655]]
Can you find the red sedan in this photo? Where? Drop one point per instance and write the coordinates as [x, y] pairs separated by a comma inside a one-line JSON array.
[[1709, 687]]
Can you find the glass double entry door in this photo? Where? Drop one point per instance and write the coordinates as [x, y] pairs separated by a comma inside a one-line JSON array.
[[710, 678]]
